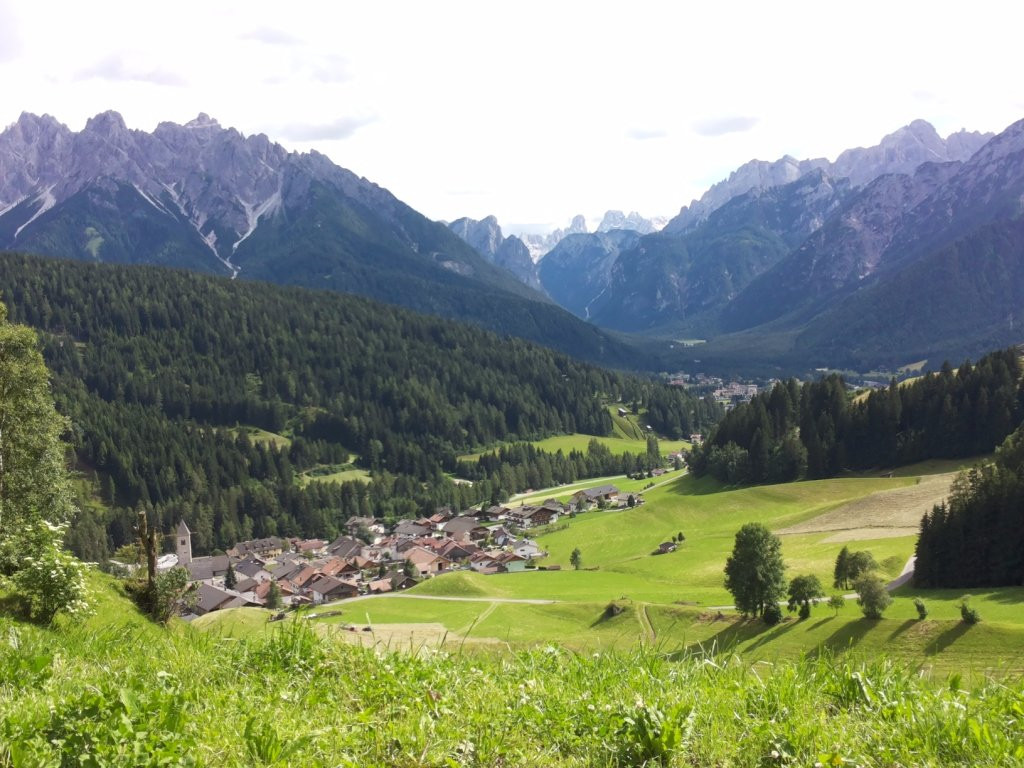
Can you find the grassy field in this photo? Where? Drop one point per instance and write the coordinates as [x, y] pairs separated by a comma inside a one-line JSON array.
[[578, 442], [116, 690], [258, 435], [675, 599], [333, 475]]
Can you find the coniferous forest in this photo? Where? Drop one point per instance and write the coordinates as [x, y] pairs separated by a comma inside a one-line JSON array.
[[817, 429], [976, 538], [155, 368]]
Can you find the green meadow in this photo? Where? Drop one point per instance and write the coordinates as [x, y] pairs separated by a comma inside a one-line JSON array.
[[677, 601]]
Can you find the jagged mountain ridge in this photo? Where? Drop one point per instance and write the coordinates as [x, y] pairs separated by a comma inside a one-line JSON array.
[[205, 197], [899, 152], [928, 266]]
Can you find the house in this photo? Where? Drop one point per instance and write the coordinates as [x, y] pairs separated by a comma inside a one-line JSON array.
[[697, 438], [210, 598], [427, 563], [464, 529], [531, 517], [310, 546], [269, 546], [206, 568], [392, 583], [511, 561], [345, 546], [326, 588], [590, 497], [527, 548], [407, 529], [666, 546]]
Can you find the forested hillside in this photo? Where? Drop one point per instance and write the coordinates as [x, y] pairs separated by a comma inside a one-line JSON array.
[[976, 539], [816, 429], [155, 367]]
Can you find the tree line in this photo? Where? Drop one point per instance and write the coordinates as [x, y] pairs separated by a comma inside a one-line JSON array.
[[155, 367], [976, 537], [817, 429]]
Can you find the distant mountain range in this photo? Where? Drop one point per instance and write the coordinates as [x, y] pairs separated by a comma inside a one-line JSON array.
[[904, 251], [911, 249], [207, 198]]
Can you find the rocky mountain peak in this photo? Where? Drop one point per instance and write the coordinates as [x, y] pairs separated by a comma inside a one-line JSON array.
[[106, 123], [202, 120], [901, 151], [509, 253]]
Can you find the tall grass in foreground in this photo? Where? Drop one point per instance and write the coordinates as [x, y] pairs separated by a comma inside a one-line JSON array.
[[75, 696]]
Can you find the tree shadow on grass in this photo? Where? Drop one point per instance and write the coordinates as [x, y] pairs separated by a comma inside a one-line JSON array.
[[844, 638], [691, 485], [947, 638], [903, 628], [726, 640]]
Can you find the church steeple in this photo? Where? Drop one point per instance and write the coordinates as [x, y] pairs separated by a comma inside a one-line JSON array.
[[183, 544]]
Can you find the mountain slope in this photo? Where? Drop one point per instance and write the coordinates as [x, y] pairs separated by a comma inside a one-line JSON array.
[[207, 198], [509, 253], [674, 282]]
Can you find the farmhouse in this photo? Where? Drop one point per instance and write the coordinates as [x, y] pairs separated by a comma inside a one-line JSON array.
[[590, 497], [464, 529]]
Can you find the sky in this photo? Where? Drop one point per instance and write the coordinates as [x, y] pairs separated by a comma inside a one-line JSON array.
[[530, 111]]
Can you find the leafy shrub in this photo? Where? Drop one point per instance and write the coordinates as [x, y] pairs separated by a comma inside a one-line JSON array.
[[922, 611], [52, 580], [967, 614], [772, 615]]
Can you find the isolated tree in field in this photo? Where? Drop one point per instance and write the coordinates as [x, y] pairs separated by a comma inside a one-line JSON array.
[[576, 559], [803, 590], [873, 597], [859, 564], [836, 603], [754, 570], [841, 573]]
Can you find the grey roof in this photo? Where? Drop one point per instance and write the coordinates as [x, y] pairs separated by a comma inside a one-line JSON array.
[[183, 529], [461, 525], [210, 598], [248, 567], [601, 490], [345, 546], [409, 528], [328, 585], [202, 568]]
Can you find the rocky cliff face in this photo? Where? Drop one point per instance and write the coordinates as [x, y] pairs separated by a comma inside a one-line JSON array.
[[900, 152], [509, 253], [577, 271]]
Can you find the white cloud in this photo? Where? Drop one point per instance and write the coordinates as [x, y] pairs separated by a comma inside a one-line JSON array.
[[115, 68], [719, 126], [271, 36], [340, 128]]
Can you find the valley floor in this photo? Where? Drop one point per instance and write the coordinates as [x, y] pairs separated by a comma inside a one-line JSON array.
[[676, 602]]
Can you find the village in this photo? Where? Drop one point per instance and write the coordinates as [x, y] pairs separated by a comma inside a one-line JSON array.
[[372, 558]]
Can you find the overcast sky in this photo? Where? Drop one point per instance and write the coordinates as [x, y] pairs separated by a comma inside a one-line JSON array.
[[532, 111]]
